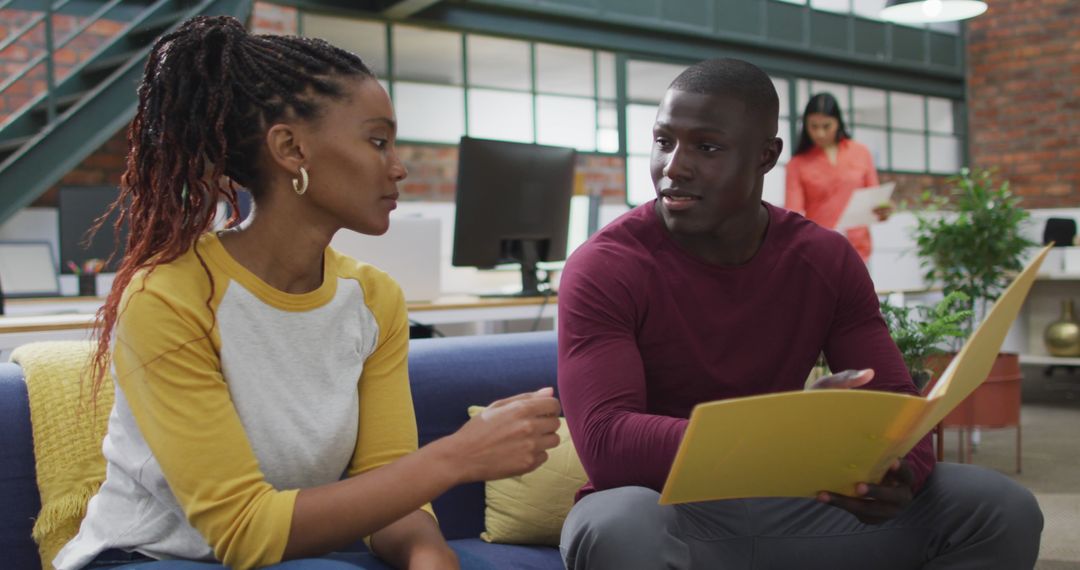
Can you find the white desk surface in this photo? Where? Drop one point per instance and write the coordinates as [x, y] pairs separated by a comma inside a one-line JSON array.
[[73, 313]]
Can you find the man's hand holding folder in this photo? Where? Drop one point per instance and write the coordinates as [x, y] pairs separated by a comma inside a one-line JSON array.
[[875, 503]]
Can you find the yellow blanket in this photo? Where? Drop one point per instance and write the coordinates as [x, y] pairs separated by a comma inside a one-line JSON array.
[[68, 430]]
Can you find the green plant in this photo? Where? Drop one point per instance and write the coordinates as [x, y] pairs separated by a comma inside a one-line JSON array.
[[919, 331], [977, 248]]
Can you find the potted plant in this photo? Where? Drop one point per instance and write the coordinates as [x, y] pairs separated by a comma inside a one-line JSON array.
[[920, 331], [975, 248], [977, 245]]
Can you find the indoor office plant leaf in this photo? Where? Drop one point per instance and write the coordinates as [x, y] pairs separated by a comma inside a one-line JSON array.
[[919, 331], [977, 245]]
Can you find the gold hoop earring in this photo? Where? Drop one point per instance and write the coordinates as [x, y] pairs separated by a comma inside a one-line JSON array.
[[300, 186]]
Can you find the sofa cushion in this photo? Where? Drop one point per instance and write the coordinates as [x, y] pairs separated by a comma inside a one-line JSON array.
[[19, 502], [490, 367], [531, 508], [475, 554]]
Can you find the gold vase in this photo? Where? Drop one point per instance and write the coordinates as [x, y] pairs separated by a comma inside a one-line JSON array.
[[1062, 337]]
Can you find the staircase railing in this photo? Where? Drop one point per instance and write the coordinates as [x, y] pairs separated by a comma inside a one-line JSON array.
[[51, 46]]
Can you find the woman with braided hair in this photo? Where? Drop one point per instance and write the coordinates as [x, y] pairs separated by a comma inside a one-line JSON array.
[[253, 367]]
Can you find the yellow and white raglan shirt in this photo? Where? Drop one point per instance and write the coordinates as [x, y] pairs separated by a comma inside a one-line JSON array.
[[232, 397]]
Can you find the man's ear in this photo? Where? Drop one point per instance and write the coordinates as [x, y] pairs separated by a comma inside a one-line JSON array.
[[770, 153], [284, 148]]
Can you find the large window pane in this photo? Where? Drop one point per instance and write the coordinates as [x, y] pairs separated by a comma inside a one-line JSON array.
[[639, 186], [422, 54], [944, 154], [877, 141], [868, 8], [605, 62], [500, 115], [564, 70], [783, 128], [941, 115], [433, 113], [365, 38], [648, 80], [497, 62], [908, 152], [773, 189], [607, 124], [870, 106], [802, 96], [781, 85], [566, 121], [841, 6], [639, 124], [906, 111]]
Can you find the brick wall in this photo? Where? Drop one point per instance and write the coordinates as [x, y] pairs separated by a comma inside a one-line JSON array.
[[1023, 78], [433, 174], [909, 187], [16, 57], [267, 18]]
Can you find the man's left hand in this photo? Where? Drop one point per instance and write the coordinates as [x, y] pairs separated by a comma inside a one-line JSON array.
[[875, 504]]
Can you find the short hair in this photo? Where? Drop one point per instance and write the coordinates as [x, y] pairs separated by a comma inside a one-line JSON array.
[[733, 78]]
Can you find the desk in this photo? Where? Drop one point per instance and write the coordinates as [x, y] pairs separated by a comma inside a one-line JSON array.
[[32, 320]]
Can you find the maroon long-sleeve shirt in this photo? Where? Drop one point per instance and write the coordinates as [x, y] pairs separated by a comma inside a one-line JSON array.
[[647, 331]]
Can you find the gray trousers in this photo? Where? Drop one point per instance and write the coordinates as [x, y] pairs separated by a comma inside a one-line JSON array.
[[964, 517]]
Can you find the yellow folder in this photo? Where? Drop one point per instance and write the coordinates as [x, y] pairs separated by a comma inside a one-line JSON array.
[[796, 444]]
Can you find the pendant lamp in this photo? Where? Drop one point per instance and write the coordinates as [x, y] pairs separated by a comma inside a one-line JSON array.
[[930, 11]]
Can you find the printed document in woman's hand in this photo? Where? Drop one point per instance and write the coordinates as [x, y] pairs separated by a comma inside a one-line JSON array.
[[860, 209]]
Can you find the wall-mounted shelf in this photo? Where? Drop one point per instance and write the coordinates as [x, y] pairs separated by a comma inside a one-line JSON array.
[[1047, 360]]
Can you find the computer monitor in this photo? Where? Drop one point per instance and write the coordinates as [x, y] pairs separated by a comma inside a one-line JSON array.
[[27, 269], [513, 206], [79, 207]]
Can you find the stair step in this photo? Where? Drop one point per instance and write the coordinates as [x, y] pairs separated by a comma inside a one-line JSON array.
[[61, 102], [108, 64], [155, 24], [11, 145]]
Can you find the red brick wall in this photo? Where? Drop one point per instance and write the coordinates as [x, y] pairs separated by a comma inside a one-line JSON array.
[[910, 187], [1023, 73], [267, 18], [15, 58], [433, 174]]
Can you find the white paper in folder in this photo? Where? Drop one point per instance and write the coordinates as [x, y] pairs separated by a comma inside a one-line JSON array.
[[408, 251], [860, 209]]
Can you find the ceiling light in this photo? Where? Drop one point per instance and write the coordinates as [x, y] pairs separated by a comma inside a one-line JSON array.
[[930, 11]]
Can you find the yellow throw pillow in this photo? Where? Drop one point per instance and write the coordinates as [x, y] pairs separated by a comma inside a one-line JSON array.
[[531, 508], [68, 430]]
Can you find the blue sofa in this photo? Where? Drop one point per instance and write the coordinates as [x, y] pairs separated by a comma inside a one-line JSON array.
[[447, 375]]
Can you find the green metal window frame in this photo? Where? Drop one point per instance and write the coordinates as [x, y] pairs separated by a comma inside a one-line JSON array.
[[622, 100], [466, 85], [925, 132]]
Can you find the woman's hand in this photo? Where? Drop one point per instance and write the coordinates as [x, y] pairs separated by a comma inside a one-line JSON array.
[[510, 437], [884, 211]]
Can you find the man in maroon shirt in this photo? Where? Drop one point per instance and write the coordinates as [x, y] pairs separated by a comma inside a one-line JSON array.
[[709, 293]]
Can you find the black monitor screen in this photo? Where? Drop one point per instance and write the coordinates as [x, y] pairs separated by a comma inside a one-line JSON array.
[[513, 205], [79, 208]]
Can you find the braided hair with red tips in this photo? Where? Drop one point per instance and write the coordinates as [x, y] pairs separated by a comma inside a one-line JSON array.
[[209, 93]]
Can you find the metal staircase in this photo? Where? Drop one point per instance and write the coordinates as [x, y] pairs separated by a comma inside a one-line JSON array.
[[69, 119]]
